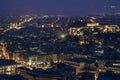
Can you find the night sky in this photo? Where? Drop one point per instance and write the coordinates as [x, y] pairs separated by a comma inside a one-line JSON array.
[[62, 7]]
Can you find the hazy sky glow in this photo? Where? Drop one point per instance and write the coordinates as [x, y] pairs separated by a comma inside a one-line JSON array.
[[65, 7]]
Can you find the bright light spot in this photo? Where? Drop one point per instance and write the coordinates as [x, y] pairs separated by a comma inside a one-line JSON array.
[[29, 63], [62, 36], [8, 68]]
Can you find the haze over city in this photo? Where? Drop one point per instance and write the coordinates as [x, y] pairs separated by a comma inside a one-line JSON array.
[[55, 7]]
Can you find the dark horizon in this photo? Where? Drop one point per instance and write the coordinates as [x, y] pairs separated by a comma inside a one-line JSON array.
[[62, 7]]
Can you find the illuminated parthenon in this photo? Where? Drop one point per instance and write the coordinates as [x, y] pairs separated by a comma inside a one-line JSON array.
[[92, 26]]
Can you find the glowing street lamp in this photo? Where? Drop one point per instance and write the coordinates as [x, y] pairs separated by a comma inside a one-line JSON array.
[[62, 36]]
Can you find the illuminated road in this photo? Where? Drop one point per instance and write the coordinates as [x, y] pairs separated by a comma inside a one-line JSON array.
[[18, 25]]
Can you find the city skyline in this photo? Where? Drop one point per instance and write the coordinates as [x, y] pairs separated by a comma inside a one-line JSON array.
[[62, 7], [59, 40]]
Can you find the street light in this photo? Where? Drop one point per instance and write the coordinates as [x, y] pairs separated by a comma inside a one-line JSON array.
[[62, 36]]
